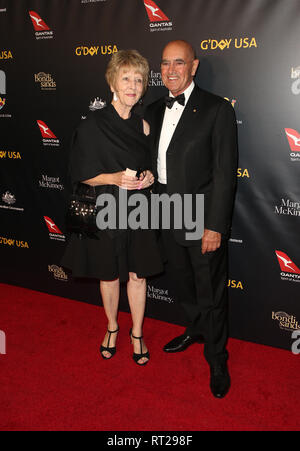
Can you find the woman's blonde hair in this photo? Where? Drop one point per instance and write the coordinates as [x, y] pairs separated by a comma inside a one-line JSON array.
[[130, 59]]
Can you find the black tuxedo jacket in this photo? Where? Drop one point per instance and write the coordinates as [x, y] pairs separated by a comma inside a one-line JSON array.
[[201, 157]]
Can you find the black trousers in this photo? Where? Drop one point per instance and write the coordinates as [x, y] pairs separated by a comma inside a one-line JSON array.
[[201, 285]]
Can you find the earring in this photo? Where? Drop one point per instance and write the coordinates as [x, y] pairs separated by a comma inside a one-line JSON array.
[[115, 97]]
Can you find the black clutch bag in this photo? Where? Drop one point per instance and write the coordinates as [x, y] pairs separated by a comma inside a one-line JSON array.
[[82, 210]]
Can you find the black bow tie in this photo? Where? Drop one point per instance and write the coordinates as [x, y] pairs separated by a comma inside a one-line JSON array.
[[171, 100]]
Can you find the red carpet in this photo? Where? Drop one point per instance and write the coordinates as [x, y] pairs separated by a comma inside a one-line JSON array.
[[52, 377]]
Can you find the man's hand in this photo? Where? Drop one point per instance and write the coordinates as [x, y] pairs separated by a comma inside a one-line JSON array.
[[211, 241], [146, 179]]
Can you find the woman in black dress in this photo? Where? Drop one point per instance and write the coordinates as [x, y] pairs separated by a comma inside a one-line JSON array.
[[107, 143]]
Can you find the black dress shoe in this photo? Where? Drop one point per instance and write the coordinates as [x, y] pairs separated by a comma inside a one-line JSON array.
[[181, 343], [219, 380]]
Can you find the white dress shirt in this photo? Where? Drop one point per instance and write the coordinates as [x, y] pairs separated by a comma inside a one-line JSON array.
[[170, 121]]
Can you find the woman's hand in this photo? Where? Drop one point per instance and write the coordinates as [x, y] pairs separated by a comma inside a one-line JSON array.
[[125, 181], [146, 179]]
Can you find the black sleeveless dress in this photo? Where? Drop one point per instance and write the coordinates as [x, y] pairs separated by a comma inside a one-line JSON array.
[[106, 143]]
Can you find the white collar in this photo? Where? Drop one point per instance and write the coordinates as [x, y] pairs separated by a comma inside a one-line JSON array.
[[187, 92]]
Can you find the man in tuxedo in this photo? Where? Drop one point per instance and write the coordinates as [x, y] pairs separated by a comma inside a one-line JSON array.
[[194, 151]]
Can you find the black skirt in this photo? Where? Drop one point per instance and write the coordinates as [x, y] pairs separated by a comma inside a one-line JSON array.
[[107, 258]]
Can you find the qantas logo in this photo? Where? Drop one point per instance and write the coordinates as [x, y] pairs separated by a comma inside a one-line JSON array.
[[42, 31], [286, 263], [38, 23], [45, 130], [49, 138], [289, 271], [293, 138], [54, 232], [154, 13], [158, 19], [51, 226]]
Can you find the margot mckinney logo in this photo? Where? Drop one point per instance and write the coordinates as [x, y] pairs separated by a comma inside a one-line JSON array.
[[288, 208]]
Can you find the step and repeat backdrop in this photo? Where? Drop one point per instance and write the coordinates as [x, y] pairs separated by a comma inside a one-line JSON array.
[[53, 56]]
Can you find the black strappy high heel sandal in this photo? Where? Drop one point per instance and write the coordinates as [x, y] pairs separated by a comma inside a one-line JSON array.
[[113, 350], [136, 357]]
